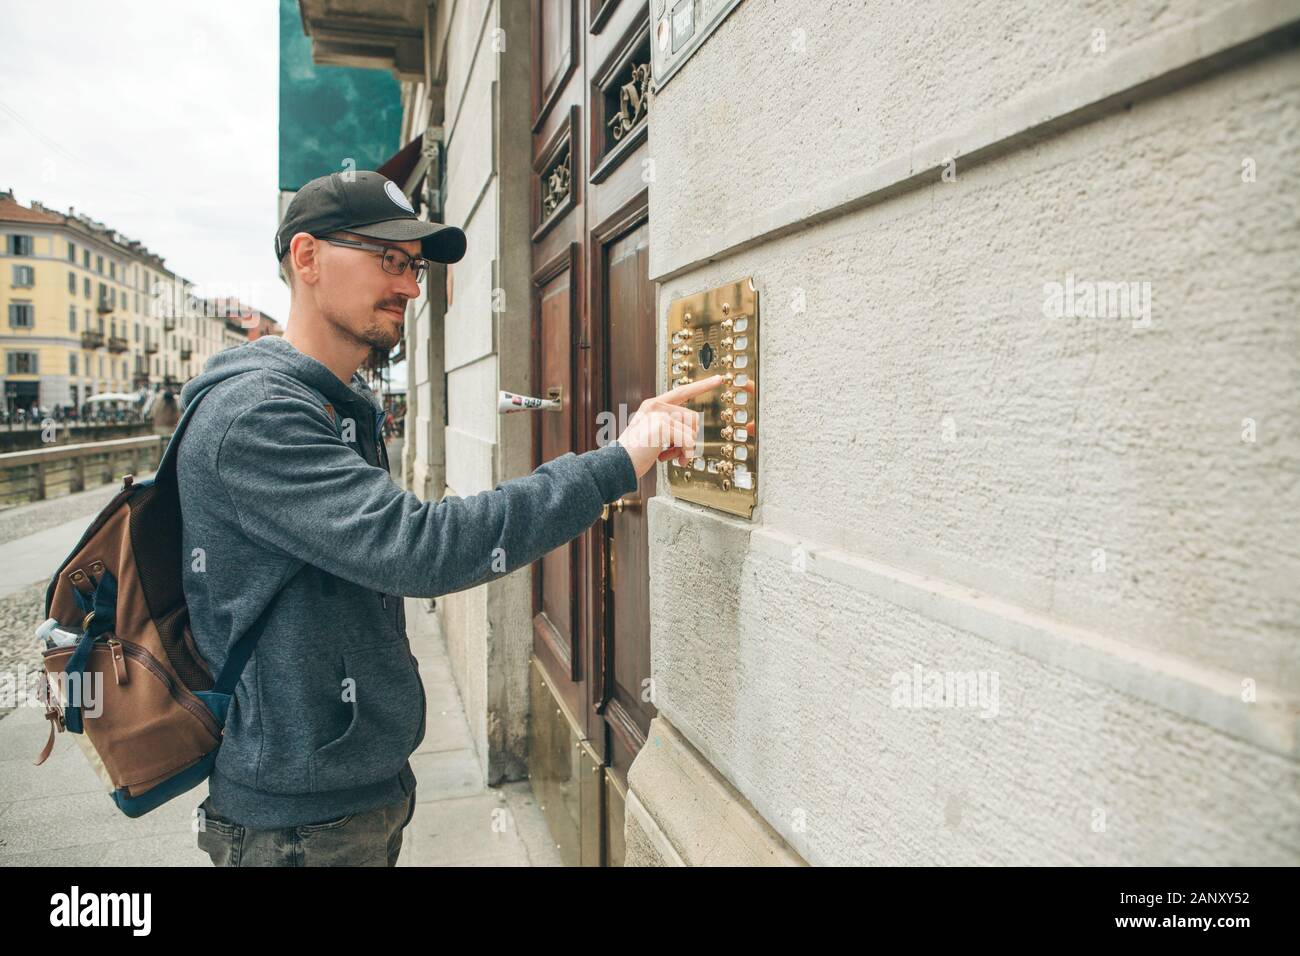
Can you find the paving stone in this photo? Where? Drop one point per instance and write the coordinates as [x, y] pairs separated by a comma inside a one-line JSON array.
[[448, 773], [88, 855], [165, 849], [463, 829]]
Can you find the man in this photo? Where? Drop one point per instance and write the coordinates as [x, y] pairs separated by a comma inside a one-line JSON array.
[[288, 509], [165, 414]]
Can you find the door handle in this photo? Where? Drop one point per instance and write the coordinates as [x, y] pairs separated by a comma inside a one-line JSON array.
[[627, 502]]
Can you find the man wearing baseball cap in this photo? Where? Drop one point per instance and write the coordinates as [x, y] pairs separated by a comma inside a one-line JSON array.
[[369, 205], [285, 491]]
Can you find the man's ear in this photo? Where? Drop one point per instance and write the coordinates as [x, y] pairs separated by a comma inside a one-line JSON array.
[[286, 270], [304, 252]]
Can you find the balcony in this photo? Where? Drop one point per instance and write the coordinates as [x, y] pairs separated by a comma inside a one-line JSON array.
[[140, 380], [171, 381], [104, 308], [150, 348], [118, 343], [169, 323], [376, 34], [185, 355], [92, 340]]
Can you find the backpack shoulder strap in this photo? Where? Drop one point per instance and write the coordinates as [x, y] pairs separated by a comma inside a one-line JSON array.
[[247, 643], [167, 467], [243, 648]]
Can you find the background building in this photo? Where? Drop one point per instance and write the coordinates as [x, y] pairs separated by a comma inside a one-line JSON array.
[[90, 311], [1027, 295], [76, 298]]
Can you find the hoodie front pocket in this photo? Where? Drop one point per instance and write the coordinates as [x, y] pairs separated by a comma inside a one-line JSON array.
[[387, 713]]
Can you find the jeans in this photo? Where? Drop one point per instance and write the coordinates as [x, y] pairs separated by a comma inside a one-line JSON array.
[[371, 838]]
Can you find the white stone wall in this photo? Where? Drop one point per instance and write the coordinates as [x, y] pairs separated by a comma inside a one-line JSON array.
[[954, 480], [486, 347]]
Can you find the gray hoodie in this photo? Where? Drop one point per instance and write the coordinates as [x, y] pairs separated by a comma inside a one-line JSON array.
[[281, 504]]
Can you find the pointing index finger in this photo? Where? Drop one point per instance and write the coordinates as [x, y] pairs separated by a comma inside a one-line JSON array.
[[682, 393]]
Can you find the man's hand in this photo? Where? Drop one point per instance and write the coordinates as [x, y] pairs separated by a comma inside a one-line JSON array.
[[661, 429]]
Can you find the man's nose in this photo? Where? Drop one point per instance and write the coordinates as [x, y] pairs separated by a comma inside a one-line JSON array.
[[409, 287]]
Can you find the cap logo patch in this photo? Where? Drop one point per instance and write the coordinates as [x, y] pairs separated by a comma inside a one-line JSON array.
[[396, 196]]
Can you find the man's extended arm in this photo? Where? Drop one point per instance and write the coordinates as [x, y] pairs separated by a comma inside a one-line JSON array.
[[297, 489]]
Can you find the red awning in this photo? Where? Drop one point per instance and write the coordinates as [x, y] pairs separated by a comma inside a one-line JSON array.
[[402, 163]]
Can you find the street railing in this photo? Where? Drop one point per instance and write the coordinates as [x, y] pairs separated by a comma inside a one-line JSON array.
[[63, 469]]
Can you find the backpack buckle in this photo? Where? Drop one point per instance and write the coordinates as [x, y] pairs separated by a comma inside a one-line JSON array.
[[54, 715], [81, 581], [119, 662]]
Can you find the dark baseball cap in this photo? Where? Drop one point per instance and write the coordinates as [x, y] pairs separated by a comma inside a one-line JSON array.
[[367, 204]]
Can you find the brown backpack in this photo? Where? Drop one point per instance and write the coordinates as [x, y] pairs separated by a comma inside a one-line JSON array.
[[145, 705]]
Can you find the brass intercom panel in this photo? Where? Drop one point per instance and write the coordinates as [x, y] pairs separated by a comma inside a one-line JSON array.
[[711, 333]]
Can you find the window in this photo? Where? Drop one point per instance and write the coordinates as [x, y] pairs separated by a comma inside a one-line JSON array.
[[112, 269], [72, 282], [137, 331], [72, 253], [87, 287], [22, 315], [112, 298], [20, 245], [87, 320], [72, 318], [85, 258], [101, 364], [24, 277], [21, 363], [72, 364]]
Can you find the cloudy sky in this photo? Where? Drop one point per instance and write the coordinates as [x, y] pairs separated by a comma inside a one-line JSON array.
[[159, 119]]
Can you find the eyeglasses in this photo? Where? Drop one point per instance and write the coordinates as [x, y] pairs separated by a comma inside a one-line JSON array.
[[393, 261]]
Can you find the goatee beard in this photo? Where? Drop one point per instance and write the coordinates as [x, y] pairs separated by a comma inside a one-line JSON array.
[[382, 339]]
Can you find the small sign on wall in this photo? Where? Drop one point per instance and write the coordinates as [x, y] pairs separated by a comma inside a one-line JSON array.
[[682, 24], [680, 27]]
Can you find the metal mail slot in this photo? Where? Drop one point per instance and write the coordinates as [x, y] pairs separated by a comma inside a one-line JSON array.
[[711, 333]]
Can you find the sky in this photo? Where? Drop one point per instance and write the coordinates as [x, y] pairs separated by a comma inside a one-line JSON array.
[[159, 119]]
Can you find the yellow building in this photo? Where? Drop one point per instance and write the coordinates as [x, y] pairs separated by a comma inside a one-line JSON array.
[[88, 311]]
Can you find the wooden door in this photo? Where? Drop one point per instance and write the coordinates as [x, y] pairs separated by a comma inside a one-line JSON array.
[[594, 337]]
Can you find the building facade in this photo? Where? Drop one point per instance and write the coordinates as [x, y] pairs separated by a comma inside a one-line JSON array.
[[1015, 581], [89, 311]]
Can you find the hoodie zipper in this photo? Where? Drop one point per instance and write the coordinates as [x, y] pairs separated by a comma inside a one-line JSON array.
[[381, 455], [381, 451]]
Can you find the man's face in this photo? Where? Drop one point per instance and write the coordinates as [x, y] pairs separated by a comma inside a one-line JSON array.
[[357, 296]]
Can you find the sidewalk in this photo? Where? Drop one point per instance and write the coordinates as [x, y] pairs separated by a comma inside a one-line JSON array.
[[59, 815]]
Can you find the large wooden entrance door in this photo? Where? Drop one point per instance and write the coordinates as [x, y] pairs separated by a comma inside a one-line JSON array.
[[594, 339]]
